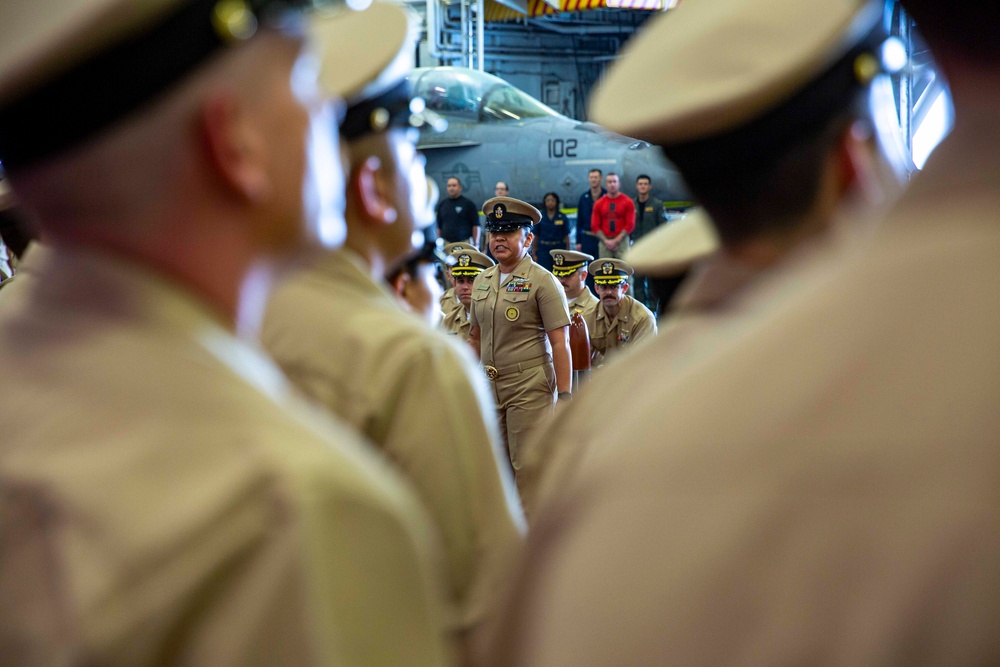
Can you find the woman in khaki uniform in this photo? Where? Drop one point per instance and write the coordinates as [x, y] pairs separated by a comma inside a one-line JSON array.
[[520, 325]]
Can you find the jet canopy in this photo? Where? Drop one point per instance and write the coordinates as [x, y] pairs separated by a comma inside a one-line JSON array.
[[475, 96]]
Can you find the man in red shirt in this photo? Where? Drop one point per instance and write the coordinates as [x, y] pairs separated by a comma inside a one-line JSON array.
[[613, 219]]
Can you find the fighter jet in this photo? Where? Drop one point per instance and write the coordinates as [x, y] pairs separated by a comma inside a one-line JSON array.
[[497, 132]]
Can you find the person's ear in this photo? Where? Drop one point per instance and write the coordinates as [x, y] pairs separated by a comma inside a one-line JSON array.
[[368, 182], [872, 174], [400, 284], [853, 156], [624, 287], [236, 150]]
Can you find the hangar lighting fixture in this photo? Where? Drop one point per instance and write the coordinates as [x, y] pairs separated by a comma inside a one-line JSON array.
[[935, 127]]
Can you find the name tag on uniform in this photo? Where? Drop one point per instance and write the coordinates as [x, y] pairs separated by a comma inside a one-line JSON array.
[[483, 287], [649, 209], [519, 285], [559, 221]]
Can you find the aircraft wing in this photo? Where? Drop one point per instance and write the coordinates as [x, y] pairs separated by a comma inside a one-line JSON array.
[[455, 143]]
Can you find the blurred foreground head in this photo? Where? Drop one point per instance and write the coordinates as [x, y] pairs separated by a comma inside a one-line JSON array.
[[766, 117], [387, 189], [196, 128]]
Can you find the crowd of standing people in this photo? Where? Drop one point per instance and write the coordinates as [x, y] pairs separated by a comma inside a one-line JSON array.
[[228, 440]]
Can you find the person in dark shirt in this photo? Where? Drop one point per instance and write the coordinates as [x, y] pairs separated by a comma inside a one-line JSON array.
[[457, 216], [649, 215], [551, 232], [586, 240]]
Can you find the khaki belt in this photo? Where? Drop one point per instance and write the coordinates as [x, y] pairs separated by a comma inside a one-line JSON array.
[[492, 372]]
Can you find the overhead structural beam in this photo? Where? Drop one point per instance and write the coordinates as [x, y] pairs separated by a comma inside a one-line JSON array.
[[517, 5], [480, 34]]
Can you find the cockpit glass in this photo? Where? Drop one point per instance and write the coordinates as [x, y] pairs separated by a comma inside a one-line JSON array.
[[452, 93], [475, 95], [505, 102]]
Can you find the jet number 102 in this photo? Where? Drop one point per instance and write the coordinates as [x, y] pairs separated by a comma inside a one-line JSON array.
[[562, 148]]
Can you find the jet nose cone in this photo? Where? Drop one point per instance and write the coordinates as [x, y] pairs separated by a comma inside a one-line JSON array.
[[668, 185]]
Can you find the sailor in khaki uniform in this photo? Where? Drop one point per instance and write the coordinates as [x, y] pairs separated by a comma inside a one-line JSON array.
[[164, 497], [828, 456], [619, 322], [520, 326], [450, 304], [340, 335], [468, 264], [570, 269]]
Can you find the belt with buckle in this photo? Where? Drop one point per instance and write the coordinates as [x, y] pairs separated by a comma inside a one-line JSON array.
[[492, 372]]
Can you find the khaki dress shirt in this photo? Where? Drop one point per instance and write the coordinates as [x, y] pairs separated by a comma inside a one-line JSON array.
[[450, 304], [515, 316], [165, 500], [823, 487], [417, 394], [457, 324], [584, 304], [699, 323]]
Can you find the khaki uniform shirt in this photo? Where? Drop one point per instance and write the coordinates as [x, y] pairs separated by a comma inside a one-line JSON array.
[[449, 304], [824, 487], [457, 324], [633, 323], [164, 500], [696, 325], [515, 316], [584, 304], [417, 394]]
